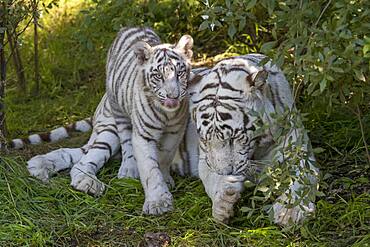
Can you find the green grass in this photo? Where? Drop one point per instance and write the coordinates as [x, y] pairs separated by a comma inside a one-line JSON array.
[[37, 214]]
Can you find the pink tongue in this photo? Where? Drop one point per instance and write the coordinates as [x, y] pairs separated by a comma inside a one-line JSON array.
[[171, 103]]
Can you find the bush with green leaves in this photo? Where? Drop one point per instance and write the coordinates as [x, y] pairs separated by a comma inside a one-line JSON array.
[[170, 19], [323, 48]]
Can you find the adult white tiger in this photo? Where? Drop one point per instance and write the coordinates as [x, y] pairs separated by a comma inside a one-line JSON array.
[[223, 104], [142, 112]]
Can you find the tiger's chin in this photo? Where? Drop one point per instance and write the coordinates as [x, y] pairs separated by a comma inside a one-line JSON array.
[[170, 105]]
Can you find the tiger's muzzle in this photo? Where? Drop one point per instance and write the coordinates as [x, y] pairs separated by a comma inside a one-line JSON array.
[[171, 103]]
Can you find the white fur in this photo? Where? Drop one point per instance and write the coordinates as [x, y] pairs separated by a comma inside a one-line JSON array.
[[133, 119], [83, 126], [34, 139], [58, 134], [221, 184], [18, 143]]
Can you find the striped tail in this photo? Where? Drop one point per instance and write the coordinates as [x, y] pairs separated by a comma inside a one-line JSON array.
[[54, 135]]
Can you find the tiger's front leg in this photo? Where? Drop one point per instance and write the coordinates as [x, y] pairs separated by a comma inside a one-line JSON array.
[[284, 212], [224, 191], [167, 150], [83, 174], [292, 207], [158, 198]]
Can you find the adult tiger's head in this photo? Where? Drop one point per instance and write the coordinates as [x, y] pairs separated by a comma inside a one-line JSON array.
[[223, 105], [166, 70]]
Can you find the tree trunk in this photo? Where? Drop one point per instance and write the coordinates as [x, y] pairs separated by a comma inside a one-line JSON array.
[[36, 46], [2, 73], [17, 62]]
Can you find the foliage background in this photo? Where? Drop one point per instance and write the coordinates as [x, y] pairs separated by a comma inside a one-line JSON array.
[[323, 48]]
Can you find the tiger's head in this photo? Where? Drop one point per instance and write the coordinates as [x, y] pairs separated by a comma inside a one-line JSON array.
[[223, 106], [166, 70]]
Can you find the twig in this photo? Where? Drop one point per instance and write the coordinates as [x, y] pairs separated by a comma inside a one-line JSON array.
[[358, 114], [322, 12]]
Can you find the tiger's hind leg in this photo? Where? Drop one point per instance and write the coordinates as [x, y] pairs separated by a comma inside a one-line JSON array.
[[83, 174], [128, 168], [186, 159], [46, 165]]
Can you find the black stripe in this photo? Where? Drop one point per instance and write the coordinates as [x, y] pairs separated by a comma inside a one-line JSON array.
[[94, 164], [226, 85], [45, 137], [148, 139], [210, 85], [108, 130], [102, 145], [147, 124], [224, 116]]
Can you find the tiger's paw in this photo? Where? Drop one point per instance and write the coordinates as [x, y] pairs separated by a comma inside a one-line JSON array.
[[285, 216], [158, 206], [128, 169], [41, 168], [87, 183], [226, 196]]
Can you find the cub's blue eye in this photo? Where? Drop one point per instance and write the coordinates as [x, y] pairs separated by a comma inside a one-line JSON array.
[[158, 76]]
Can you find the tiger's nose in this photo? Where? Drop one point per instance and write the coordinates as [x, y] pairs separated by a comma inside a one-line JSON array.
[[172, 95]]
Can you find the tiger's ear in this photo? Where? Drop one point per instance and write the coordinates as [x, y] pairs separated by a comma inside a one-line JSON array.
[[185, 45], [142, 51], [257, 79]]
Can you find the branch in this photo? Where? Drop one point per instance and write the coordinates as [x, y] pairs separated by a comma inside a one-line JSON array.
[[358, 114]]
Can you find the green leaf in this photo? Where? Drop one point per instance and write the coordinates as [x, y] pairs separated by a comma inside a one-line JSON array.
[[266, 47], [231, 31], [263, 189], [337, 69], [250, 5], [249, 184], [242, 23], [204, 25], [270, 6], [323, 85], [228, 4], [359, 75], [318, 150], [246, 209], [273, 33], [366, 48]]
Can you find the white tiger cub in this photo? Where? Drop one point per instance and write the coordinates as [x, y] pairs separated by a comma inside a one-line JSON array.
[[143, 113], [222, 103]]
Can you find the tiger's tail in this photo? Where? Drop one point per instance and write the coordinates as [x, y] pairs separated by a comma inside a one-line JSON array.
[[54, 135]]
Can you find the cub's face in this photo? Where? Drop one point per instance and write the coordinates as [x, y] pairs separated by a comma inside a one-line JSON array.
[[166, 70], [221, 108]]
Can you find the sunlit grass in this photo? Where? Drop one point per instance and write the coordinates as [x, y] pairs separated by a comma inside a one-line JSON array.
[[37, 214]]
